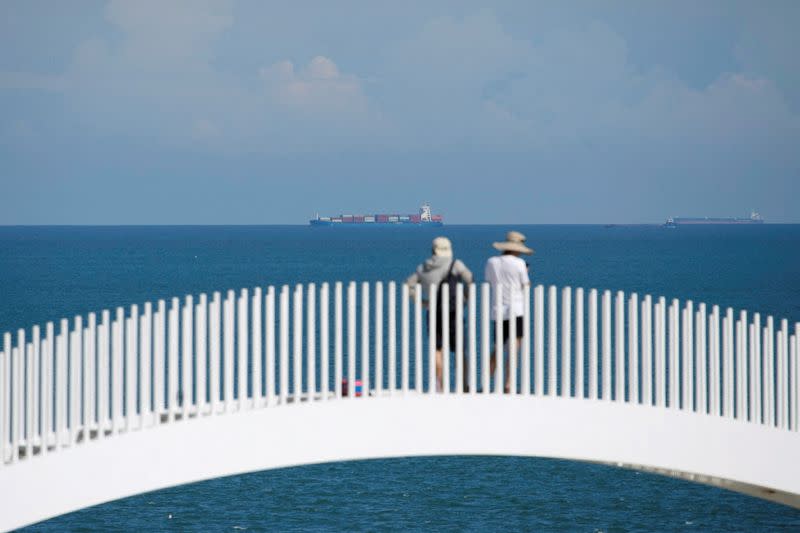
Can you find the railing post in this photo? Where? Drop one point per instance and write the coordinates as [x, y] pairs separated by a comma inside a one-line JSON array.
[[337, 333], [404, 334], [365, 381], [256, 349], [214, 341], [324, 341], [754, 385], [759, 369], [269, 339], [445, 320], [633, 348], [689, 400], [580, 382], [378, 341], [187, 352], [795, 385], [75, 359], [499, 378], [28, 400], [284, 346], [103, 365], [418, 356], [783, 352], [473, 341], [728, 357], [619, 344], [36, 386], [84, 390], [392, 370], [714, 365], [769, 369], [552, 341], [646, 349], [201, 349], [566, 342], [5, 400], [485, 323], [48, 374], [311, 343], [62, 355], [159, 366], [674, 346], [432, 381], [512, 349], [793, 382], [525, 369], [702, 359], [351, 340], [146, 345], [242, 345], [297, 343], [131, 366], [593, 389], [172, 358], [18, 415], [606, 354], [741, 356], [228, 354], [459, 339], [13, 403]]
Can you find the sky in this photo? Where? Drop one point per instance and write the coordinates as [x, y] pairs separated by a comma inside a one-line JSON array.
[[257, 112]]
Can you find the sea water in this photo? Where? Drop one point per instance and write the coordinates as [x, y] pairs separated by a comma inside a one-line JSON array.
[[47, 273]]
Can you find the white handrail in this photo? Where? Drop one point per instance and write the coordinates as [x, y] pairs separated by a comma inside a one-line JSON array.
[[99, 378]]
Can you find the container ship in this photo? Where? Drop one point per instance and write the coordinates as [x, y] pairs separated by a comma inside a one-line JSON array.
[[754, 218], [423, 218]]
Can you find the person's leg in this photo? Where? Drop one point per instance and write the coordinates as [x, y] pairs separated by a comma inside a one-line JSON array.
[[466, 373], [439, 387], [507, 365]]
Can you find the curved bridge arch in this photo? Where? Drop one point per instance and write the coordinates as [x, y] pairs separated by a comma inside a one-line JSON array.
[[113, 453]]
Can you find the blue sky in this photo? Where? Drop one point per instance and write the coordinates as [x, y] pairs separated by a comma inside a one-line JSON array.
[[254, 112]]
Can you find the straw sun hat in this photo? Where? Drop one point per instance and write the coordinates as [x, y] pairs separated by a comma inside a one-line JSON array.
[[515, 242]]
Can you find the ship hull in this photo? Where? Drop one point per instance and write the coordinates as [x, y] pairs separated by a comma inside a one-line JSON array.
[[714, 221], [328, 223]]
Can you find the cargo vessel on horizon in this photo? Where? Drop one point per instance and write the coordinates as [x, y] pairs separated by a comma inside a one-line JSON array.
[[673, 222], [423, 218]]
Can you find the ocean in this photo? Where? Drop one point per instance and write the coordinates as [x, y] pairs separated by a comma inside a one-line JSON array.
[[47, 273]]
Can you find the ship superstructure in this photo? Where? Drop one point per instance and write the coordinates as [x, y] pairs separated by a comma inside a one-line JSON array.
[[754, 218], [424, 217]]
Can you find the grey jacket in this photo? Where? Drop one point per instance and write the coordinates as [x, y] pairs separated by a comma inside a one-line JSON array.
[[434, 270]]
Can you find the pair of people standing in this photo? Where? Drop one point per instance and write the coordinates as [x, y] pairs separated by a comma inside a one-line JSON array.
[[508, 275]]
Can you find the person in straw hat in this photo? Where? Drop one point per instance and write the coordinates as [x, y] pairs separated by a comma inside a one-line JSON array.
[[508, 275], [433, 271]]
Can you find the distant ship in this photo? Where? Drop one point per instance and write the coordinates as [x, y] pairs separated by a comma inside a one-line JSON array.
[[423, 218], [673, 222]]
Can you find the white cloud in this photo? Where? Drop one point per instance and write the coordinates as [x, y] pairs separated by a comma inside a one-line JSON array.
[[159, 32], [317, 88]]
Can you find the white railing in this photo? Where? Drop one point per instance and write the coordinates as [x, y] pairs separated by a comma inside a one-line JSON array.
[[162, 364]]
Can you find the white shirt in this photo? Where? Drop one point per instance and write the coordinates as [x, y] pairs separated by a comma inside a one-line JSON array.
[[507, 274]]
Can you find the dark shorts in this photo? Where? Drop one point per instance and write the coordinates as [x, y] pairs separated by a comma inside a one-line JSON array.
[[440, 333], [507, 327]]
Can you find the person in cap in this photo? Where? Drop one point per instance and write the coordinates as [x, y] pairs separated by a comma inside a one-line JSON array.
[[508, 275], [433, 271]]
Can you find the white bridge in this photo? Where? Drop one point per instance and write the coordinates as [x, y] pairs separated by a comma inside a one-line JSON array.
[[116, 405]]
